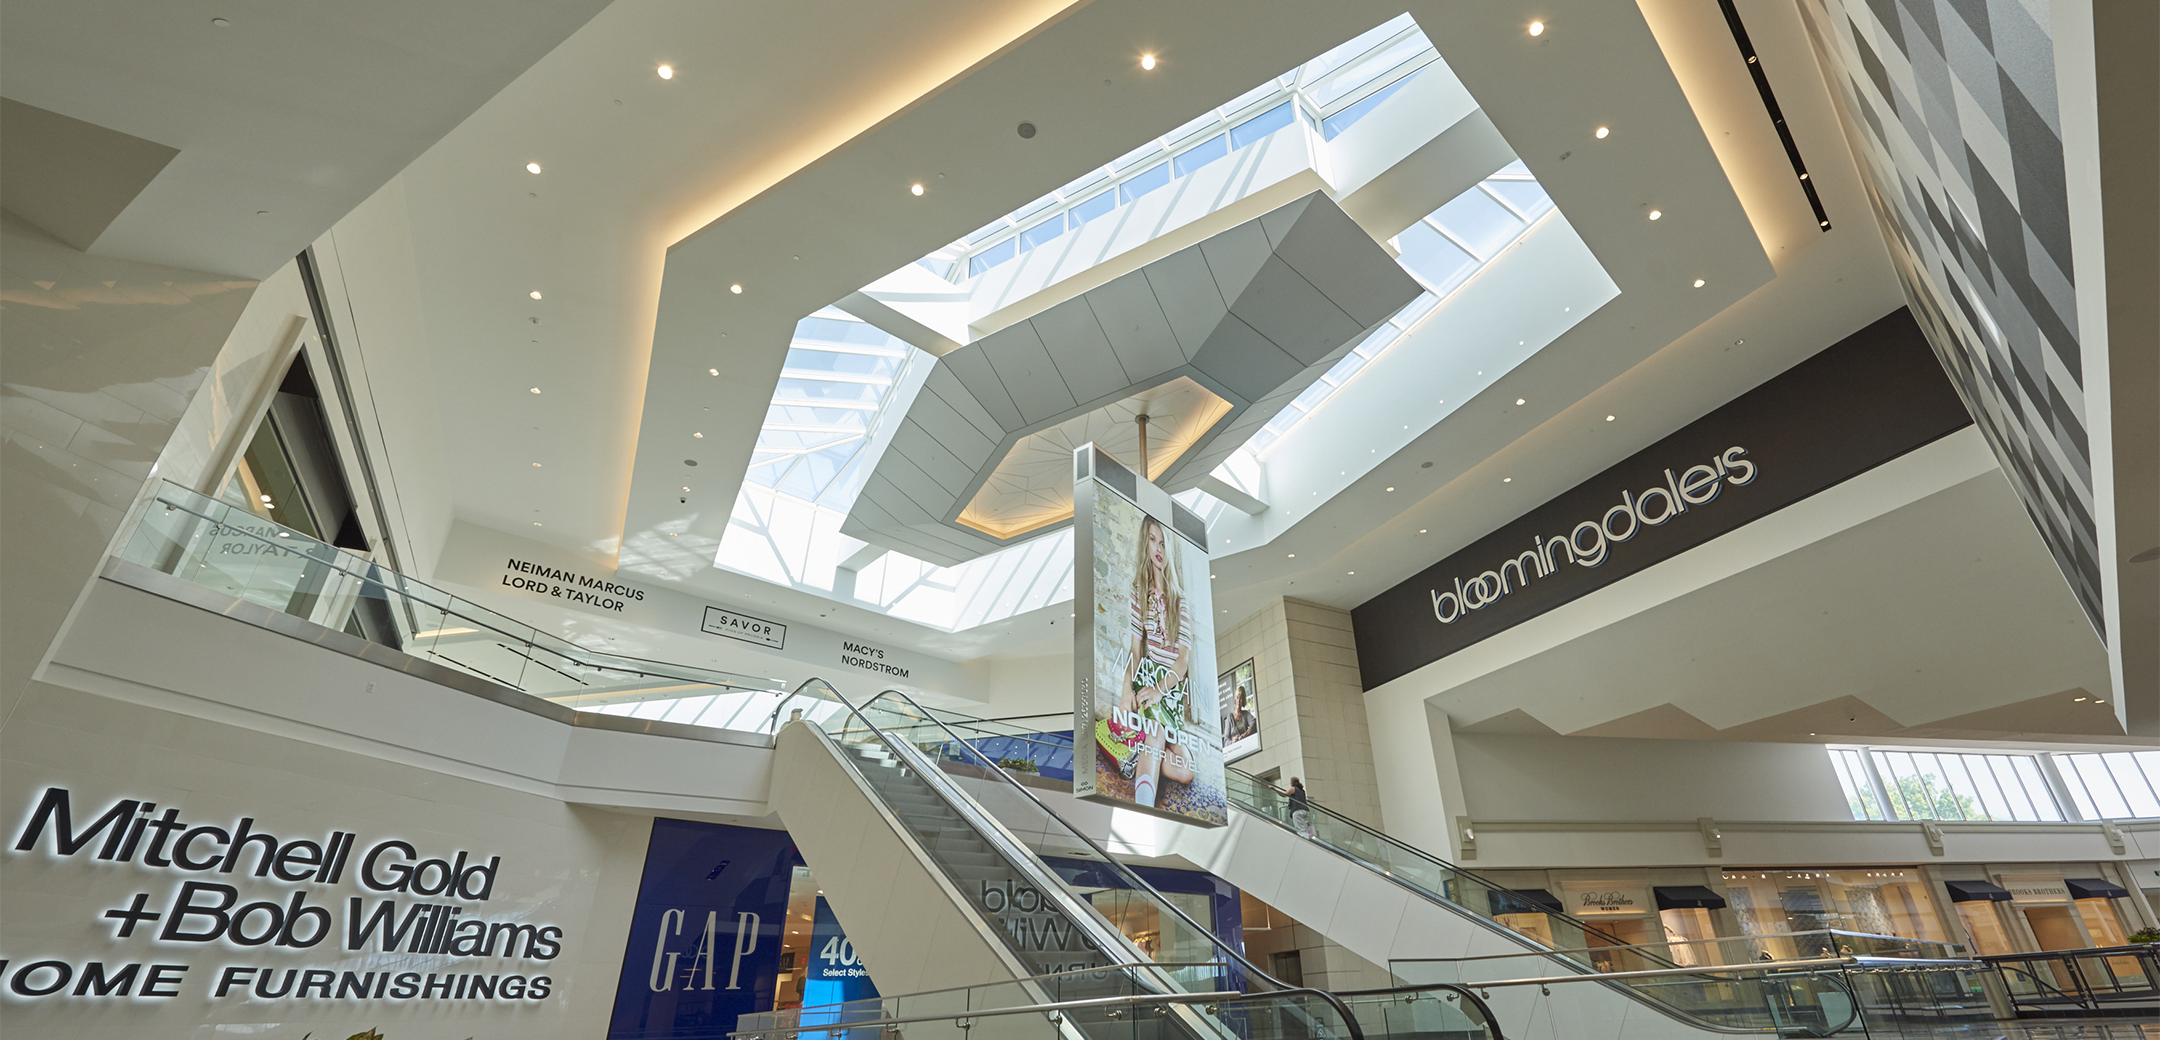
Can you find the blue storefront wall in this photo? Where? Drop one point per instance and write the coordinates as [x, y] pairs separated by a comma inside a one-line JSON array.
[[705, 936]]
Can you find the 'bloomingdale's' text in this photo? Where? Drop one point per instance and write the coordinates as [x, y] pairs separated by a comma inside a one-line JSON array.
[[1591, 540]]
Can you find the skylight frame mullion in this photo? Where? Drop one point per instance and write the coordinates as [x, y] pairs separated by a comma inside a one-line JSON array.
[[850, 378], [1486, 187], [1400, 71], [855, 349], [1462, 245]]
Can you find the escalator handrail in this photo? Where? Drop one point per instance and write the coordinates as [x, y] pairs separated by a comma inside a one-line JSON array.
[[1127, 874], [1221, 997], [1619, 977], [1383, 836], [1106, 939]]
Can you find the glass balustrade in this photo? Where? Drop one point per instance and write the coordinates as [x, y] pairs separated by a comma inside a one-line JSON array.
[[236, 553]]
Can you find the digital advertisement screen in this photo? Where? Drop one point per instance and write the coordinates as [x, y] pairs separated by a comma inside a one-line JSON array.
[[1144, 652], [1239, 697]]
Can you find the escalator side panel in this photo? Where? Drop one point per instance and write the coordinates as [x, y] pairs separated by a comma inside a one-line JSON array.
[[914, 930]]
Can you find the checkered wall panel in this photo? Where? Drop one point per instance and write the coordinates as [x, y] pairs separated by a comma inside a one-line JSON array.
[[1953, 109]]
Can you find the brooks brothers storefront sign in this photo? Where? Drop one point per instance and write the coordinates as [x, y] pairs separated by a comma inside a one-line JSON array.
[[1874, 396], [236, 910]]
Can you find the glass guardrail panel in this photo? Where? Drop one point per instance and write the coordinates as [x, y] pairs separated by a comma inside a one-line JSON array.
[[235, 552], [1435, 1014], [1160, 931]]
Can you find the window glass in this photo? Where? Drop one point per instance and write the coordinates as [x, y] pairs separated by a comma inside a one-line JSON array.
[[1144, 183], [1433, 259], [1043, 232], [1526, 196], [991, 257], [1261, 125], [1094, 207], [1202, 154], [1369, 69], [1478, 222], [1333, 126]]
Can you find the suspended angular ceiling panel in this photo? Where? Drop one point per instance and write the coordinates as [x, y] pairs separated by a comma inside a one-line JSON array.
[[1253, 315]]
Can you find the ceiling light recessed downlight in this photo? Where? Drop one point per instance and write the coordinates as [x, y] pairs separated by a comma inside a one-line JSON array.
[[915, 190], [1391, 489], [1698, 283], [666, 71], [714, 371], [532, 167], [1608, 418], [535, 294], [1537, 28], [1507, 480], [737, 289], [1293, 556], [1656, 213], [1521, 401], [699, 436], [1147, 62], [1604, 132], [1421, 530], [536, 389], [536, 465], [266, 498]]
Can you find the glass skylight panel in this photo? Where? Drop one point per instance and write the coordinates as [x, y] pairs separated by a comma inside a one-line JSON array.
[[1432, 259], [1349, 51], [1094, 207], [836, 378], [1043, 232], [1139, 185], [1478, 222], [1333, 126], [1217, 147], [1260, 126], [991, 257], [1370, 69]]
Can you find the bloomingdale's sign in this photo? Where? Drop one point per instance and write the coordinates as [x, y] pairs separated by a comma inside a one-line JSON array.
[[1864, 401], [1591, 541], [193, 914]]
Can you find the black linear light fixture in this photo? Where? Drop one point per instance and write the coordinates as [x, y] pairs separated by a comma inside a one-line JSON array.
[[1777, 115]]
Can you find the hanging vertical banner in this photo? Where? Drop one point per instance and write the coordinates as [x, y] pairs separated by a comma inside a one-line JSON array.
[[1143, 648], [705, 937]]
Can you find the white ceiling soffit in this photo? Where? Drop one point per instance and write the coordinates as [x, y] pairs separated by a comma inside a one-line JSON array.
[[285, 116], [1255, 314], [851, 218]]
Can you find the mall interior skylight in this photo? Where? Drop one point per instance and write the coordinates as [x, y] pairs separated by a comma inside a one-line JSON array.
[[810, 460], [838, 375], [1441, 251], [1329, 93]]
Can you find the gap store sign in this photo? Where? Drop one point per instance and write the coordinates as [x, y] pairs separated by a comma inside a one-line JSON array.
[[1864, 401]]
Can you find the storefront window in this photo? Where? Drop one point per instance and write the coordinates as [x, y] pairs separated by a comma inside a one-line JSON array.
[[1983, 921], [1779, 908]]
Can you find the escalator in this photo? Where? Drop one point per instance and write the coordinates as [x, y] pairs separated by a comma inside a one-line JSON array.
[[1431, 922], [940, 892]]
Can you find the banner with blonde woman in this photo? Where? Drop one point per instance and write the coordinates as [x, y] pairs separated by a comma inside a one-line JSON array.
[[1144, 695]]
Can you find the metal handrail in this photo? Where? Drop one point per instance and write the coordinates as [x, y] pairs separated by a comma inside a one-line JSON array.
[[1058, 1007], [1667, 945], [1126, 873], [369, 573]]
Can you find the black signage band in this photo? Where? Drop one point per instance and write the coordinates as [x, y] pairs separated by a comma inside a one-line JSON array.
[[1870, 398]]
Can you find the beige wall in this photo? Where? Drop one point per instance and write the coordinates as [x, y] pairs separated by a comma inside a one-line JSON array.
[[1312, 703]]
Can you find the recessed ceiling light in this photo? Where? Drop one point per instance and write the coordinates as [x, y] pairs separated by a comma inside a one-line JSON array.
[[1537, 28], [1520, 401], [714, 371], [536, 465], [1698, 283], [915, 189], [1507, 480], [266, 498], [219, 22], [536, 523], [1421, 530], [699, 436], [2073, 698], [1608, 418], [536, 389], [1352, 572], [532, 167], [666, 71], [1147, 62], [1391, 489], [1604, 132], [1293, 556], [1656, 213], [535, 294], [686, 487], [736, 289]]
